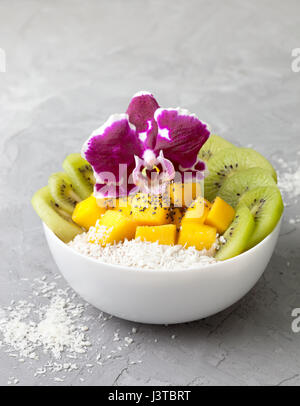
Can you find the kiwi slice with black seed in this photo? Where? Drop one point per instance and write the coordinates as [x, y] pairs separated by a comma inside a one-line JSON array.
[[237, 235], [266, 206], [240, 182], [227, 162], [54, 216], [81, 174], [63, 191], [214, 144]]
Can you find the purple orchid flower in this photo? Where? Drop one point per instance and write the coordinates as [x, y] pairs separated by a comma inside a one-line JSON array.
[[144, 148]]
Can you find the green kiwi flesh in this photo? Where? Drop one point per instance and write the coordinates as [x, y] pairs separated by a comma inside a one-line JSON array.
[[81, 174], [54, 216], [227, 162], [214, 144], [63, 192], [266, 206], [237, 235], [240, 182]]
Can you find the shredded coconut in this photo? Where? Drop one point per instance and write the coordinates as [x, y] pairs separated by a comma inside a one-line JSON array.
[[29, 330], [51, 327], [144, 255], [289, 179], [289, 183]]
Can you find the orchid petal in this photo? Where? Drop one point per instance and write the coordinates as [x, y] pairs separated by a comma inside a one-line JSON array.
[[199, 166], [180, 136], [107, 186], [112, 145], [195, 174], [141, 111]]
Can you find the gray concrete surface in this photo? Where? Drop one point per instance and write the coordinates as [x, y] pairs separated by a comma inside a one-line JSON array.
[[69, 65]]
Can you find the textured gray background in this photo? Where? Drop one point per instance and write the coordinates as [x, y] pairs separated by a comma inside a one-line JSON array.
[[72, 63]]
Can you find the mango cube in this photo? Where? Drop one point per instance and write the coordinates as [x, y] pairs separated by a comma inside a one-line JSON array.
[[196, 235], [165, 234], [147, 210], [111, 228], [123, 205], [182, 194], [87, 212], [177, 216], [198, 211], [220, 215]]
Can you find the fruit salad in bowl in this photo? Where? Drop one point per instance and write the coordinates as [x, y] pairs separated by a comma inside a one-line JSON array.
[[157, 214]]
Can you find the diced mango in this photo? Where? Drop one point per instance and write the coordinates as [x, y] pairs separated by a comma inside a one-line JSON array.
[[182, 194], [220, 215], [197, 235], [197, 212], [177, 216], [165, 234], [123, 205], [112, 227], [87, 212], [149, 210]]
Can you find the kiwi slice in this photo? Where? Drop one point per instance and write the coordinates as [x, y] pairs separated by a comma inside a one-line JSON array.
[[227, 162], [266, 206], [56, 218], [214, 144], [63, 192], [81, 174], [237, 235], [242, 181]]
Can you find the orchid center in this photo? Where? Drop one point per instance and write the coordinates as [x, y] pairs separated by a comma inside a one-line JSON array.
[[157, 169]]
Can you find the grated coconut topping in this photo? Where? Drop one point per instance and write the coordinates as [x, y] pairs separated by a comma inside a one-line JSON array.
[[142, 254]]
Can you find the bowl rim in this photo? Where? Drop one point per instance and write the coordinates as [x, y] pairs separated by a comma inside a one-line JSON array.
[[201, 268]]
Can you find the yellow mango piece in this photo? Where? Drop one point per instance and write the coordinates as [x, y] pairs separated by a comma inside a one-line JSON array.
[[147, 210], [113, 226], [220, 215], [165, 234], [121, 204], [87, 212], [177, 216], [198, 211], [182, 194], [197, 235]]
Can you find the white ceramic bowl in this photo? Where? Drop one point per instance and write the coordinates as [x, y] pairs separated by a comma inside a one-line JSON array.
[[162, 297]]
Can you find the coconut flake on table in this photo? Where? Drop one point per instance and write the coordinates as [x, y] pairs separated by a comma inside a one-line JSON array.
[[142, 254], [289, 183], [55, 331], [52, 329], [289, 179]]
